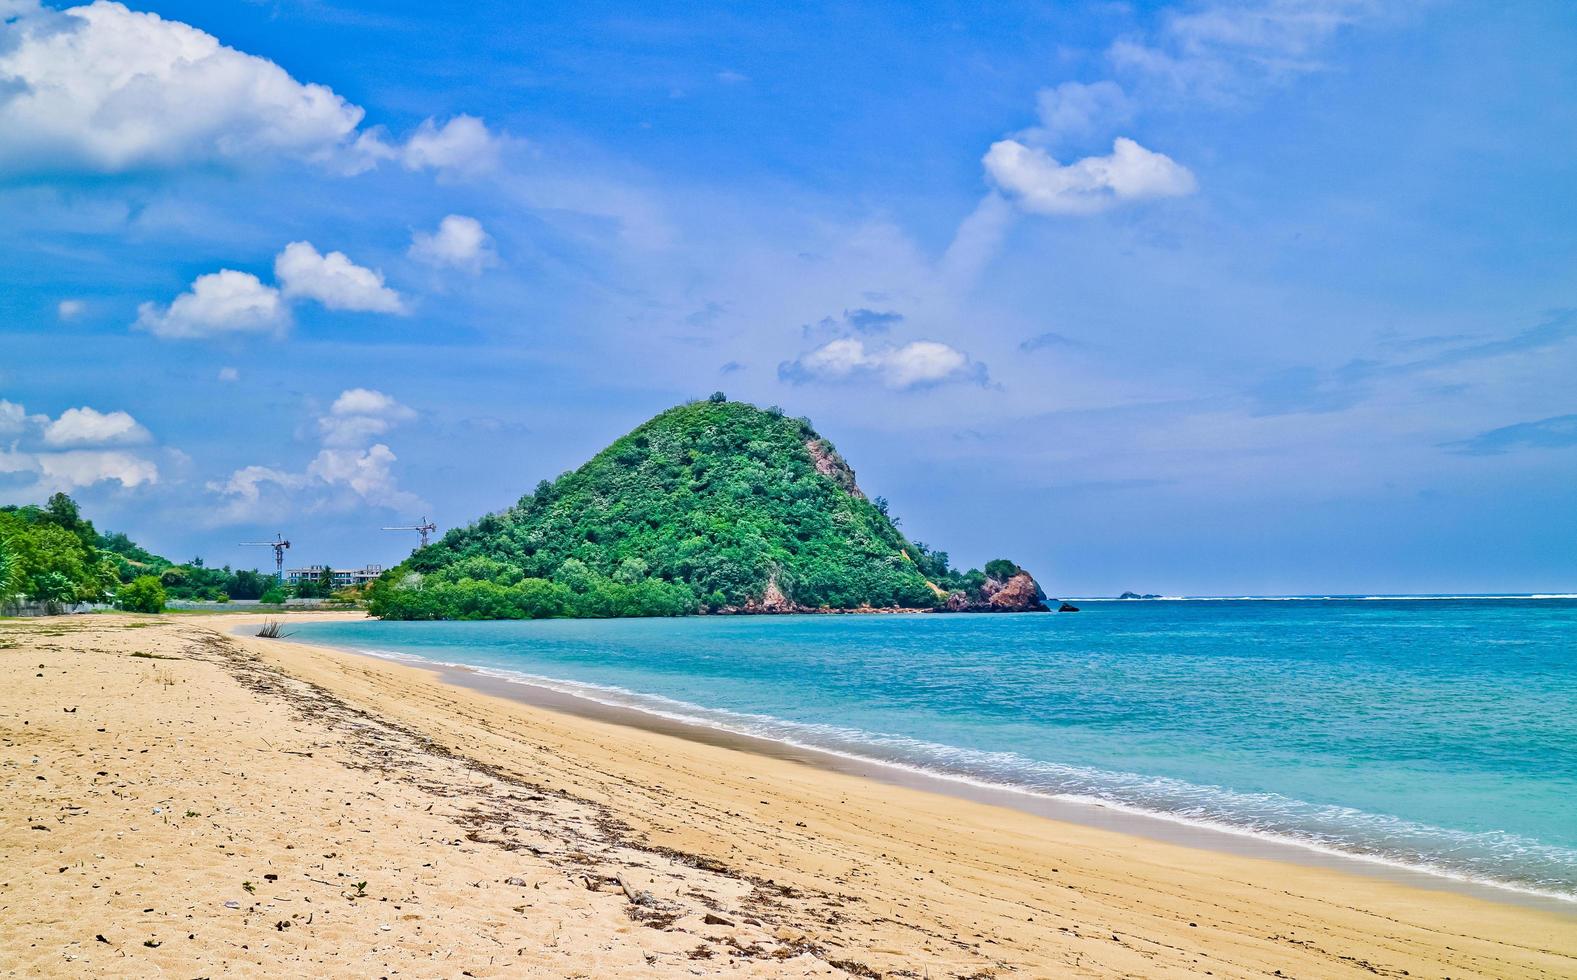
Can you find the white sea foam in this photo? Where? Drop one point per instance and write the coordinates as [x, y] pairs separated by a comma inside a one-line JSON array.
[[1332, 830]]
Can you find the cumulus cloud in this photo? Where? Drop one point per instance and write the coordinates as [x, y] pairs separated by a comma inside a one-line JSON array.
[[333, 280], [334, 480], [350, 470], [369, 401], [366, 472], [218, 304], [103, 89], [358, 415], [1038, 183], [917, 364], [89, 427], [71, 451], [108, 90], [229, 302], [459, 243], [462, 145], [85, 467], [229, 374], [244, 486], [70, 309], [13, 418]]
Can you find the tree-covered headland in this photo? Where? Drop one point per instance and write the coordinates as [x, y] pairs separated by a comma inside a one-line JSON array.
[[712, 506]]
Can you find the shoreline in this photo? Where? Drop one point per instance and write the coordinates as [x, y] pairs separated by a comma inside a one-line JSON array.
[[1096, 814], [180, 800]]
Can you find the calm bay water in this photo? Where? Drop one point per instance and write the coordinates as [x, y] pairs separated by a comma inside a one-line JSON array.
[[1439, 734]]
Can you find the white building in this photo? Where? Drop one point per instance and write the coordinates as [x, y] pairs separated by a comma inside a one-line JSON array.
[[337, 578]]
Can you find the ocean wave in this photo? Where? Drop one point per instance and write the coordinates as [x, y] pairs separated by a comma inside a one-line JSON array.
[[1497, 859]]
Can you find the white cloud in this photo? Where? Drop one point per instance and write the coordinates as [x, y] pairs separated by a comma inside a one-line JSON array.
[[70, 309], [85, 467], [1038, 183], [244, 484], [229, 374], [89, 427], [335, 479], [54, 451], [1223, 50], [13, 417], [108, 90], [333, 280], [358, 415], [462, 145], [366, 472], [219, 303], [916, 364], [1076, 109], [369, 401], [460, 242]]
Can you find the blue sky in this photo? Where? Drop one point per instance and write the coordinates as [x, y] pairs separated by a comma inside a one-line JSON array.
[[1208, 297]]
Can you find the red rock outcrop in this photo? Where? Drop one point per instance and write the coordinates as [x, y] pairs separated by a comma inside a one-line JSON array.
[[1017, 594]]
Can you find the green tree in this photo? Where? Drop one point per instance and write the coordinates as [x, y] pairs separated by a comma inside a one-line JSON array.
[[712, 499], [10, 574], [54, 590], [144, 594], [1001, 568]]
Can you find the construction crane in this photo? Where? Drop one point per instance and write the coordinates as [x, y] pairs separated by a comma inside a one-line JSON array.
[[279, 544], [425, 528]]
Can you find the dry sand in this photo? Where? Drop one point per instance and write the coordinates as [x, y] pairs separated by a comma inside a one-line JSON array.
[[178, 802]]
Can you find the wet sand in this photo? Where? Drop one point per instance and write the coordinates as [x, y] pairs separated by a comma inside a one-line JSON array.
[[1083, 813]]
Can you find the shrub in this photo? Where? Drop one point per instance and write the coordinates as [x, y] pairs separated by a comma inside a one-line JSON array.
[[143, 594], [273, 597], [1001, 568]]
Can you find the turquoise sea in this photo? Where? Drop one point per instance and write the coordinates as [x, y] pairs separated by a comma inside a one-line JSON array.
[[1439, 734]]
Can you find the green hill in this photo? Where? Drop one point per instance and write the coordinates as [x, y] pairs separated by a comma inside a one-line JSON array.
[[53, 556], [713, 506]]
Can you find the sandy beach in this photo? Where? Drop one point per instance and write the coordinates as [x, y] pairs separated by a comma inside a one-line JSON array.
[[179, 801]]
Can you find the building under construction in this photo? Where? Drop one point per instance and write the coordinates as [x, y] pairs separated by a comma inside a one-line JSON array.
[[336, 578]]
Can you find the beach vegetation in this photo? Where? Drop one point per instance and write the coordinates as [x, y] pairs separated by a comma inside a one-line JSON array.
[[57, 558], [144, 594]]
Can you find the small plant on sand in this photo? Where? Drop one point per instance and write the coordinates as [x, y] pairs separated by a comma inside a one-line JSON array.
[[251, 889], [361, 890], [272, 629]]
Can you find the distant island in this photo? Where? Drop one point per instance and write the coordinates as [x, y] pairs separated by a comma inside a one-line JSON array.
[[713, 507], [1135, 595]]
